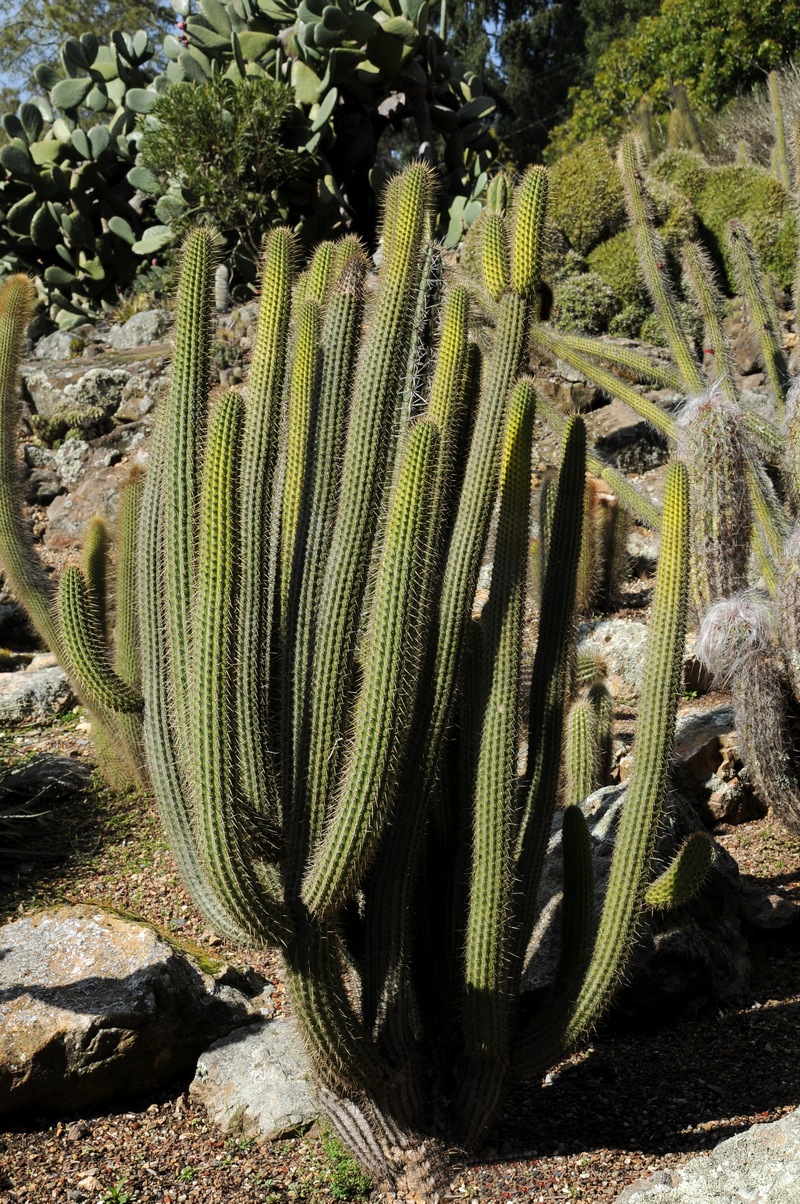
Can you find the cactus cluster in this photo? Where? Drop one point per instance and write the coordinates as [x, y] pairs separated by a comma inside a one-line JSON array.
[[332, 737], [743, 478]]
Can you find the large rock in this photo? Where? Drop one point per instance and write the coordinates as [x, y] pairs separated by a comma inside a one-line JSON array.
[[256, 1081], [622, 644], [35, 694], [141, 330], [761, 1166], [95, 1008], [683, 959]]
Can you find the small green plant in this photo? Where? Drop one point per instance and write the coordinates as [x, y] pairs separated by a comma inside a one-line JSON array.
[[346, 1180], [187, 1173], [118, 1194]]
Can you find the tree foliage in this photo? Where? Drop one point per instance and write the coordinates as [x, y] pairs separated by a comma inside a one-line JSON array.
[[715, 48]]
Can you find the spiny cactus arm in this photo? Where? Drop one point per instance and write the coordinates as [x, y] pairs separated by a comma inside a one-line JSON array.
[[339, 1048], [635, 502], [94, 565], [184, 431], [321, 274], [219, 829], [388, 905], [540, 1040], [712, 445], [640, 366], [339, 342], [84, 647], [645, 793], [371, 418], [127, 653], [23, 569], [385, 702], [763, 314], [302, 392], [766, 434], [699, 271], [485, 1009], [607, 381], [165, 748], [259, 444], [549, 685], [495, 255], [582, 754], [770, 525], [685, 874], [653, 260]]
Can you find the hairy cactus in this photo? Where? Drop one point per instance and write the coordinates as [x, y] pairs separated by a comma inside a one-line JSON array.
[[71, 622], [332, 740], [743, 474]]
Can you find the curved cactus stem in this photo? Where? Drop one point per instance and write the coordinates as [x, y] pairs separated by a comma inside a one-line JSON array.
[[685, 874], [606, 380], [646, 788], [699, 271], [641, 366], [770, 525], [642, 509], [164, 747], [219, 831], [763, 314], [364, 468], [339, 342], [485, 1008], [653, 260], [84, 648], [384, 707]]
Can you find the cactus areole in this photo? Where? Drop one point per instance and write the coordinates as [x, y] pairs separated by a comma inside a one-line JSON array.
[[332, 738]]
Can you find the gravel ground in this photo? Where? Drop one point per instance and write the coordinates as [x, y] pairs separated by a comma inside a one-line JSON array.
[[634, 1101]]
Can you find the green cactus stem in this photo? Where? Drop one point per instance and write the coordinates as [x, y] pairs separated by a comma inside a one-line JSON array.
[[684, 876], [763, 314]]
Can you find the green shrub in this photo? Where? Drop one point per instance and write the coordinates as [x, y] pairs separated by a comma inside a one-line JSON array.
[[587, 205], [627, 324], [683, 169], [584, 303], [216, 149]]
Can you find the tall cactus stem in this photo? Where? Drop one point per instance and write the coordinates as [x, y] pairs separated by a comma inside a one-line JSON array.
[[699, 271], [84, 647], [645, 793], [94, 564], [653, 259], [486, 957], [763, 314], [383, 709]]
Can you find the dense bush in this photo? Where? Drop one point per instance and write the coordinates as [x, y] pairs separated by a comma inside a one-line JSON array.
[[616, 262], [216, 150]]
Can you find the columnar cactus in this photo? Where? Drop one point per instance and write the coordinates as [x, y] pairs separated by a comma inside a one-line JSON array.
[[332, 741]]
